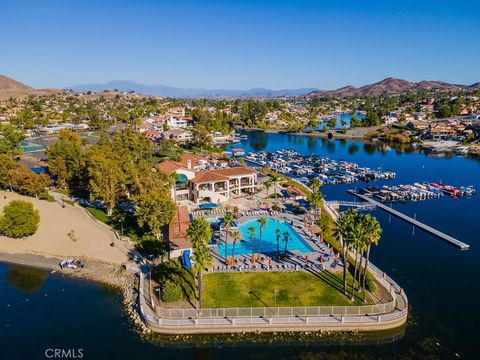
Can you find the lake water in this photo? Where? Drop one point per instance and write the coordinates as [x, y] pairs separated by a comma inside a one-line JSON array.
[[342, 118], [40, 310]]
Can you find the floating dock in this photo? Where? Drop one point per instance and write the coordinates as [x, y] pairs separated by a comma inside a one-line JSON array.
[[429, 229]]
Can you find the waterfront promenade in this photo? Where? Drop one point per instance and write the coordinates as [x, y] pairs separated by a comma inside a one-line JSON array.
[[390, 315]]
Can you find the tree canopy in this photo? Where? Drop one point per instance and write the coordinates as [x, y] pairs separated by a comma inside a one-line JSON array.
[[19, 219], [65, 158]]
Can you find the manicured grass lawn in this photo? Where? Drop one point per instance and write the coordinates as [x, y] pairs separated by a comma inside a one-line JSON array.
[[297, 288], [98, 214]]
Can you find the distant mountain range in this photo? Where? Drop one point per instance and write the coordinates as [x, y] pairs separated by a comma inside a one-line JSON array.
[[390, 86], [393, 86], [170, 91]]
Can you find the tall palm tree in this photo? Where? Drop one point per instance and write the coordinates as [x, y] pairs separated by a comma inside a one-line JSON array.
[[199, 233], [315, 199], [251, 231], [275, 178], [277, 234], [373, 232], [261, 222], [342, 232], [227, 220], [286, 237], [315, 184], [267, 185], [356, 242], [235, 235]]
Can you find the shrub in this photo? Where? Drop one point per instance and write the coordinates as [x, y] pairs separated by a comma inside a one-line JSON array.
[[171, 291], [19, 219], [275, 207], [46, 196], [177, 283]]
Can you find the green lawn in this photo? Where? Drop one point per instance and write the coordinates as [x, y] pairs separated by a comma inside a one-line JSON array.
[[296, 288], [98, 214]]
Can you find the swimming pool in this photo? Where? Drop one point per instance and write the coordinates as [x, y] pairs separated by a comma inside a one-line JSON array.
[[269, 239]]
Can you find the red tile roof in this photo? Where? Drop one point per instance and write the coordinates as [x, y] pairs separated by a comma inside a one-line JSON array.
[[177, 229], [220, 174], [168, 166]]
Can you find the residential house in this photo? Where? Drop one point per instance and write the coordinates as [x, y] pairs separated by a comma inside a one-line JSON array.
[[178, 135]]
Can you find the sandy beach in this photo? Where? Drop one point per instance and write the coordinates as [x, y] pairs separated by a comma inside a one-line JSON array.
[[91, 240]]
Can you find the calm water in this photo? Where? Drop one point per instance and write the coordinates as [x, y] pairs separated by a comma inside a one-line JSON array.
[[38, 310], [268, 243], [342, 119]]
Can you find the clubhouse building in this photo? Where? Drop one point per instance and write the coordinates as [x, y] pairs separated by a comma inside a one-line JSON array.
[[200, 179]]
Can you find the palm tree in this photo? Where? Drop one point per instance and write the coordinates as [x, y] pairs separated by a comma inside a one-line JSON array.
[[199, 233], [315, 184], [342, 232], [286, 237], [251, 231], [274, 178], [261, 222], [373, 232], [278, 233], [356, 242], [267, 185], [227, 220], [235, 235], [315, 199]]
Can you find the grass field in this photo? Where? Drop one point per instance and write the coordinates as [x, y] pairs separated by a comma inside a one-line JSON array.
[[296, 288]]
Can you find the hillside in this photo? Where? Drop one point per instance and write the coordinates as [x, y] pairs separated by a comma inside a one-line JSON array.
[[393, 86], [8, 84], [13, 88]]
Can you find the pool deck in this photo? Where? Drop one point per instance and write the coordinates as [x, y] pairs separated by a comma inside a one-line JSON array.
[[321, 258]]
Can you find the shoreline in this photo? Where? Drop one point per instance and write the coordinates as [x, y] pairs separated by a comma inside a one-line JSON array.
[[354, 134], [95, 270]]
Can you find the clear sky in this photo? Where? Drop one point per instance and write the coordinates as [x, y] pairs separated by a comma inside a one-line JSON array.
[[239, 44]]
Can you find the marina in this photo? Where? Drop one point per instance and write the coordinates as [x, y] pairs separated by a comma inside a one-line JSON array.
[[415, 192], [327, 171]]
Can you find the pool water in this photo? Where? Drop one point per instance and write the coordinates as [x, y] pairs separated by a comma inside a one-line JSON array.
[[268, 243]]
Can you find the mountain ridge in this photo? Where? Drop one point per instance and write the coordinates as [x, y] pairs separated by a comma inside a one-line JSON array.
[[386, 87], [171, 91], [393, 86]]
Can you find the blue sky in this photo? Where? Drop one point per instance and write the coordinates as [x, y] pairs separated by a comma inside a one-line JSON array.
[[239, 44]]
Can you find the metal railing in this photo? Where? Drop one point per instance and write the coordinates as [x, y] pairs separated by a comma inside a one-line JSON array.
[[272, 312], [275, 311], [275, 316]]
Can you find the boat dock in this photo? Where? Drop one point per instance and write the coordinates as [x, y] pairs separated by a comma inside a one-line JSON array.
[[429, 229]]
